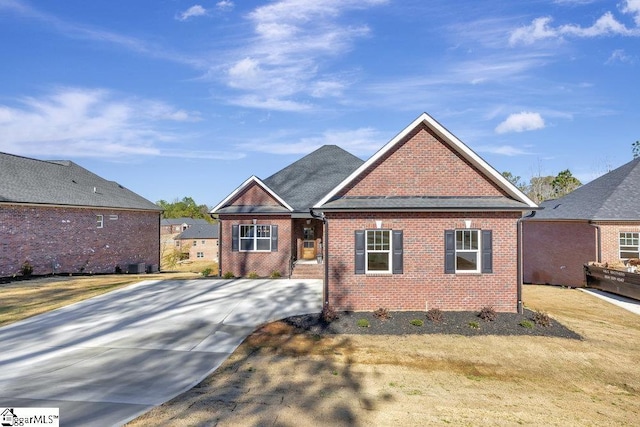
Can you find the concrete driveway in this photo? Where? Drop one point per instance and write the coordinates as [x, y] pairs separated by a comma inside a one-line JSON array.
[[106, 360]]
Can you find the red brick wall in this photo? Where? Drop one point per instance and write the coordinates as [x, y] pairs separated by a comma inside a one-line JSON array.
[[610, 237], [553, 252], [263, 263], [423, 283], [254, 195], [69, 240], [422, 165]]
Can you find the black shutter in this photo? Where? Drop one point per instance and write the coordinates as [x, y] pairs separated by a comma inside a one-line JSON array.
[[487, 251], [274, 238], [360, 255], [449, 251], [234, 238], [397, 251]]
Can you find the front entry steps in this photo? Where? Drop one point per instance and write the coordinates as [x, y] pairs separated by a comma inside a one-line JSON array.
[[307, 270]]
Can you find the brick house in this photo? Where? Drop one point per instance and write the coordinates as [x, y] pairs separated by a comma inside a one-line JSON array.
[[61, 218], [424, 223], [199, 242], [599, 221]]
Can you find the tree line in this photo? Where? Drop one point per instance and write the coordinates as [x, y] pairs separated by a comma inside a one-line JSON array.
[[541, 188], [185, 208]]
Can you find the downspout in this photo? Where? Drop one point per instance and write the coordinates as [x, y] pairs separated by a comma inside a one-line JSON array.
[[598, 241], [520, 307], [219, 245], [325, 281]]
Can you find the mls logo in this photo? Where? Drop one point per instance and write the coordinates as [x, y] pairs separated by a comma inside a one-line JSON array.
[[6, 417]]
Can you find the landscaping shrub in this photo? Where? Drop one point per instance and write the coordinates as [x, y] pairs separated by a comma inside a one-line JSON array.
[[541, 318], [363, 323], [435, 315], [329, 314], [207, 271], [26, 269], [526, 324], [275, 274], [474, 325], [382, 313], [228, 275], [417, 322], [252, 275], [488, 314]]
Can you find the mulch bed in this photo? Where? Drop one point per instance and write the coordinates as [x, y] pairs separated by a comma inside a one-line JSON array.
[[453, 323]]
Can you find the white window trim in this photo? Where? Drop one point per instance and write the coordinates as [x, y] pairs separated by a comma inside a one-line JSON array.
[[387, 251], [255, 238], [100, 221], [477, 251], [620, 245]]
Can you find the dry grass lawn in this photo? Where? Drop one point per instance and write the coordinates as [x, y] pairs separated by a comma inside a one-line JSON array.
[[280, 378]]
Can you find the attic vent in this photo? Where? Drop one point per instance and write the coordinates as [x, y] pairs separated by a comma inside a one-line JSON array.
[[113, 217]]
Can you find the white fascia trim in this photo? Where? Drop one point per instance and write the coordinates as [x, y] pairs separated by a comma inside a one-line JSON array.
[[244, 185], [454, 142]]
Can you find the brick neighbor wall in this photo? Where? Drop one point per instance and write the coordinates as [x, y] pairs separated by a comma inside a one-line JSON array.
[[264, 264], [553, 252], [610, 237], [423, 284], [67, 240], [208, 247]]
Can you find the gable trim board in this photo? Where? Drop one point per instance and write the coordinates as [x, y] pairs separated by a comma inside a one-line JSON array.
[[245, 185]]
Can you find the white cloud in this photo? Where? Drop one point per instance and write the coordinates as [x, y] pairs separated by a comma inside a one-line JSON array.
[[293, 39], [619, 55], [356, 141], [77, 122], [225, 5], [504, 150], [607, 25], [521, 122], [193, 11]]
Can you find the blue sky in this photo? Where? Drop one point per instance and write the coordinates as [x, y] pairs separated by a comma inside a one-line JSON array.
[[175, 98]]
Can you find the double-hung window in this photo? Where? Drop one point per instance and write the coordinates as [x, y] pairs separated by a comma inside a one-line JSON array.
[[629, 245], [378, 251], [254, 238], [468, 251], [99, 221]]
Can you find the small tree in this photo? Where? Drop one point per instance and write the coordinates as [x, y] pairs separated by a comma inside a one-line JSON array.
[[564, 183], [635, 149]]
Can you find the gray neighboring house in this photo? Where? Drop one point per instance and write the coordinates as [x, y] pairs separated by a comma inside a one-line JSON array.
[[199, 242], [61, 218], [599, 221]]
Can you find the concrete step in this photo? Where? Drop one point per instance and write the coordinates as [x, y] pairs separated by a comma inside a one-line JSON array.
[[308, 271]]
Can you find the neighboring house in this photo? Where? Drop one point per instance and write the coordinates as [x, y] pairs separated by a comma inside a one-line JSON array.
[[199, 242], [424, 223], [170, 228], [599, 221], [61, 218]]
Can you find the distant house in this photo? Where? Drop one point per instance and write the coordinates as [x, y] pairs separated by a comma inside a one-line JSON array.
[[199, 242], [424, 223], [61, 218], [176, 226], [599, 221]]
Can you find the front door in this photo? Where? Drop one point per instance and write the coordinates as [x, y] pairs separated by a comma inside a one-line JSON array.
[[308, 244]]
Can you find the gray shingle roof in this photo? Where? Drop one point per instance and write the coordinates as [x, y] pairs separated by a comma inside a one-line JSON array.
[[25, 180], [613, 196], [199, 231], [424, 203], [304, 182], [183, 220]]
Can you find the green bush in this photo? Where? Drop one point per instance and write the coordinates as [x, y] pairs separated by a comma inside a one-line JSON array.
[[252, 275], [417, 322], [527, 324], [207, 271], [275, 274], [474, 325], [363, 323], [228, 275]]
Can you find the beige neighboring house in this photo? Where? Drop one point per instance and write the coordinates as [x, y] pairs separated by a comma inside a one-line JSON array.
[[170, 228], [200, 242]]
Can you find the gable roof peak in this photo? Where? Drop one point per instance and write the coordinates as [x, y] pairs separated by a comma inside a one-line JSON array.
[[449, 138]]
